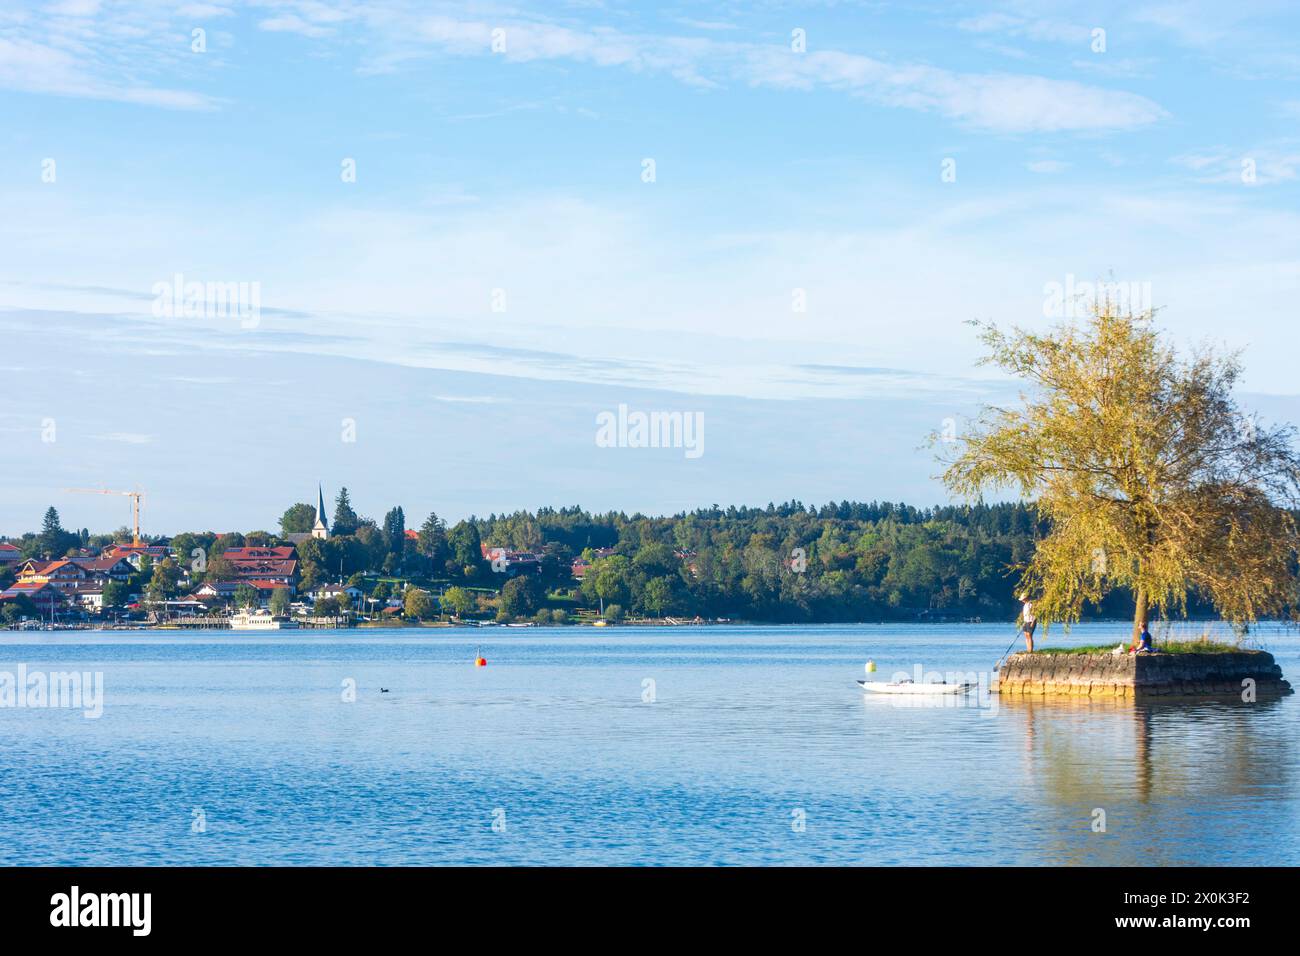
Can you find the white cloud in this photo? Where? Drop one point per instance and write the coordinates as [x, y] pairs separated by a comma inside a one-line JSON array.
[[1193, 24], [1002, 102], [82, 50], [129, 438], [289, 23], [641, 295], [1033, 28], [1257, 167], [1117, 67], [204, 11], [711, 25], [92, 54], [75, 8]]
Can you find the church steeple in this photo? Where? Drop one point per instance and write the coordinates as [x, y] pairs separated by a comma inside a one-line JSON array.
[[321, 529]]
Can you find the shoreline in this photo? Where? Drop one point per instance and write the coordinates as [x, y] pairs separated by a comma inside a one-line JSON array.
[[639, 623]]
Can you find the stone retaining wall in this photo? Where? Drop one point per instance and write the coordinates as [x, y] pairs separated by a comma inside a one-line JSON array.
[[1140, 675]]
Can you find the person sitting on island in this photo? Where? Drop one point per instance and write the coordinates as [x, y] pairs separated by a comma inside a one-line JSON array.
[[1027, 622], [1144, 641]]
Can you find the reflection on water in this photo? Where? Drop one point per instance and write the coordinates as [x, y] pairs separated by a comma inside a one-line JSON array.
[[1177, 779], [747, 731]]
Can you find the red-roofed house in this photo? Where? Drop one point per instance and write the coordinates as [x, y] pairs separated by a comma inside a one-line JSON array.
[[278, 553], [265, 589], [128, 551], [105, 569], [9, 555], [581, 566], [31, 567], [43, 594], [277, 565], [265, 586], [63, 574], [514, 562]]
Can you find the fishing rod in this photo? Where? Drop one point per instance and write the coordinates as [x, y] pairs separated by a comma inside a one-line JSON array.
[[1008, 650]]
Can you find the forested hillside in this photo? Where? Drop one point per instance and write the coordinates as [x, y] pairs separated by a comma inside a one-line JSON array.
[[851, 561]]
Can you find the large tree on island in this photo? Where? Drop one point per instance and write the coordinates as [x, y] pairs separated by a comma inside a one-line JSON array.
[[1147, 472]]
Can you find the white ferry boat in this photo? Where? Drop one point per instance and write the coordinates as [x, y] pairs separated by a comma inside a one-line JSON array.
[[259, 620]]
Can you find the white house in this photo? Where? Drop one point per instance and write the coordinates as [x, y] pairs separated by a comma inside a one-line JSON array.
[[354, 594]]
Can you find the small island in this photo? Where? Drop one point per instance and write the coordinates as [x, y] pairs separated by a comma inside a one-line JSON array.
[[1150, 478], [1188, 669]]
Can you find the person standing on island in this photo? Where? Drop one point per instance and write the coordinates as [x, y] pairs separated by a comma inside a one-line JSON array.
[[1027, 621]]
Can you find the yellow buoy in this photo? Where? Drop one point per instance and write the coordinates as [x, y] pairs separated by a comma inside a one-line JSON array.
[[871, 667]]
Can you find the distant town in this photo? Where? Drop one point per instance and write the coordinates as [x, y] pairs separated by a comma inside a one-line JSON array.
[[780, 564]]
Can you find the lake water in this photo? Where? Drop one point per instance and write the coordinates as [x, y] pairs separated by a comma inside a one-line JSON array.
[[713, 745]]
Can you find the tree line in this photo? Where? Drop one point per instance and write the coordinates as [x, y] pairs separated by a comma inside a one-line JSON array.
[[838, 562]]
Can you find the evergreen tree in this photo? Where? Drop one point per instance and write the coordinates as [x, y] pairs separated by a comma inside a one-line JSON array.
[[345, 519], [395, 530], [54, 540], [432, 542], [466, 548]]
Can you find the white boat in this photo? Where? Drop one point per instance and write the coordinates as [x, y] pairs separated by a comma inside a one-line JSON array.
[[911, 687], [258, 621]]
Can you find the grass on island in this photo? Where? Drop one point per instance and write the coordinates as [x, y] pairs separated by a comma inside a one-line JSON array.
[[1202, 646]]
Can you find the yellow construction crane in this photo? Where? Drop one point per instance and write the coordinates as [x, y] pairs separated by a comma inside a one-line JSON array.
[[135, 496]]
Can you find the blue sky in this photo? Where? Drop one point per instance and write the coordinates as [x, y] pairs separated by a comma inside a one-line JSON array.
[[500, 271]]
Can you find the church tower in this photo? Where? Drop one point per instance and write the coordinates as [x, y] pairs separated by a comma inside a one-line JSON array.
[[321, 529]]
